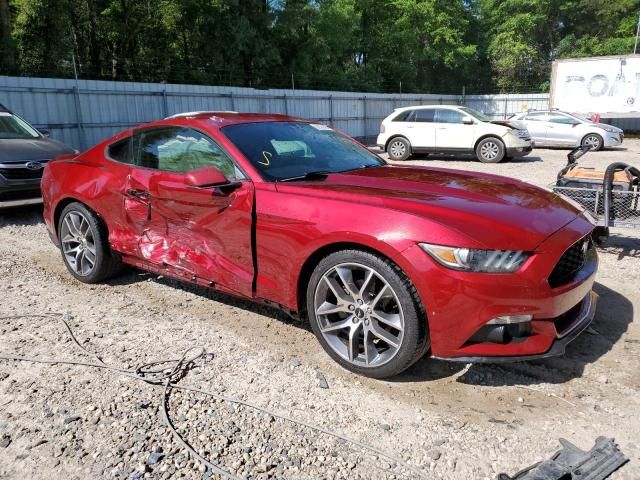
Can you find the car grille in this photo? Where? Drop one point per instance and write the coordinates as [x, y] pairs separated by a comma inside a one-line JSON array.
[[571, 262], [21, 172]]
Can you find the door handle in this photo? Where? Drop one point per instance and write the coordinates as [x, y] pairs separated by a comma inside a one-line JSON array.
[[141, 194]]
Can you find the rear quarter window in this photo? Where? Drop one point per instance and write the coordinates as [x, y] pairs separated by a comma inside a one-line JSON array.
[[121, 151], [406, 116]]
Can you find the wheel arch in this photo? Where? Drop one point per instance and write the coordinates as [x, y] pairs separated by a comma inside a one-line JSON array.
[[316, 256], [60, 206], [592, 133], [394, 136], [488, 135]]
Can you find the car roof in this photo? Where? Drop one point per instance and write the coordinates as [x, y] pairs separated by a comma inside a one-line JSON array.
[[422, 107], [548, 110], [222, 119]]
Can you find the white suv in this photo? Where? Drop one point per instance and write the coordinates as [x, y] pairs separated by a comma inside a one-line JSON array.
[[451, 129]]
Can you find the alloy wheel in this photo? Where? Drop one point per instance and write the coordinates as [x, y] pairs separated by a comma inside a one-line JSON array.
[[78, 245], [592, 142], [359, 315], [397, 149], [489, 150]]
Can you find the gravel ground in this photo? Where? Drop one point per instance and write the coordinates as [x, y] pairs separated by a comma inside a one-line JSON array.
[[453, 421]]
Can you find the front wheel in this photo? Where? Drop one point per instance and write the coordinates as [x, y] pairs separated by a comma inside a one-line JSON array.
[[399, 149], [593, 141], [366, 313], [490, 150]]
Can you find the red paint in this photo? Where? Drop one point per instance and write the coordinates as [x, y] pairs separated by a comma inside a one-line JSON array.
[[198, 235]]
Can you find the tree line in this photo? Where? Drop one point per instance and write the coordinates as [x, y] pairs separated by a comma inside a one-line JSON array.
[[364, 45]]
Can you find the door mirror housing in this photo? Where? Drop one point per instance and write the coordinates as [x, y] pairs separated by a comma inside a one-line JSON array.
[[44, 132], [205, 177], [467, 120]]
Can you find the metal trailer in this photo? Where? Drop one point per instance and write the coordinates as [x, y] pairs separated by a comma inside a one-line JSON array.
[[612, 196]]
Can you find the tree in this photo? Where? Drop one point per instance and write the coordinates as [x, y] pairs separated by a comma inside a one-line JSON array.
[[376, 45], [7, 45]]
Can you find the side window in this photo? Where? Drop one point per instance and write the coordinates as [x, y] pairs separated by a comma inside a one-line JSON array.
[[560, 118], [406, 116], [180, 150], [121, 151], [448, 116], [425, 115], [537, 117]]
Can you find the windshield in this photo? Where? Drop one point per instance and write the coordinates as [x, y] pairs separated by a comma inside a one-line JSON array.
[[579, 117], [474, 113], [14, 127], [283, 150]]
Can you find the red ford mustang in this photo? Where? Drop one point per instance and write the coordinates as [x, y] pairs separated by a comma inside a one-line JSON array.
[[386, 262]]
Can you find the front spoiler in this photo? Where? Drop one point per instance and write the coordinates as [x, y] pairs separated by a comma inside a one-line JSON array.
[[558, 347]]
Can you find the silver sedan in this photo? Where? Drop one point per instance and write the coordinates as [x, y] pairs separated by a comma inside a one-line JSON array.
[[554, 128]]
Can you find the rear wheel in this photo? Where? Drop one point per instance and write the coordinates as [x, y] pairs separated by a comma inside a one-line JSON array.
[[366, 314], [490, 150], [399, 149], [593, 141], [84, 245]]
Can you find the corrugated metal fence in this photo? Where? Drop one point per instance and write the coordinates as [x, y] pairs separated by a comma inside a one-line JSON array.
[[85, 112]]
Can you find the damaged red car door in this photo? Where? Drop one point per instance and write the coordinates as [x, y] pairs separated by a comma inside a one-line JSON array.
[[190, 207]]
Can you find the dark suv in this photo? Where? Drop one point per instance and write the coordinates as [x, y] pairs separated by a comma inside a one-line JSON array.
[[24, 151]]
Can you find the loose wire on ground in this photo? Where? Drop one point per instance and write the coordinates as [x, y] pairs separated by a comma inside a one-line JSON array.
[[161, 375]]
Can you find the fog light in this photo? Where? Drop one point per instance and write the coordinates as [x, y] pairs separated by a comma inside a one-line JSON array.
[[510, 319]]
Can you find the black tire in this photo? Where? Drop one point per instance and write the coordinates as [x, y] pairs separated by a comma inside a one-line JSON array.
[[415, 338], [106, 263], [399, 149], [490, 150], [593, 140]]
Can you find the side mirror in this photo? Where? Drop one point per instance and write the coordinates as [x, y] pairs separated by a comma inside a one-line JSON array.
[[44, 133], [468, 121], [205, 177]]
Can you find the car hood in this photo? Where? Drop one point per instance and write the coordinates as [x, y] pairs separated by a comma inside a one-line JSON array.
[[604, 126], [16, 150], [517, 124], [490, 211]]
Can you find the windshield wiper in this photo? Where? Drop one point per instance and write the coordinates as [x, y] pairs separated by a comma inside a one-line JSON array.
[[317, 175]]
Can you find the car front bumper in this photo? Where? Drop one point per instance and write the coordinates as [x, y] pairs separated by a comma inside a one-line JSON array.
[[19, 192], [582, 319], [613, 139], [460, 305], [519, 151]]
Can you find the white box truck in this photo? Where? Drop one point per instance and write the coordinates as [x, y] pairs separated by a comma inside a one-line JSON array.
[[609, 86]]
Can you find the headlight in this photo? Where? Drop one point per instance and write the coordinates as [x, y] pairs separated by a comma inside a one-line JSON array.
[[473, 260], [611, 130]]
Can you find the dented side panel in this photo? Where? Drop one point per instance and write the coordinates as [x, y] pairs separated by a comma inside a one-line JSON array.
[[198, 231]]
